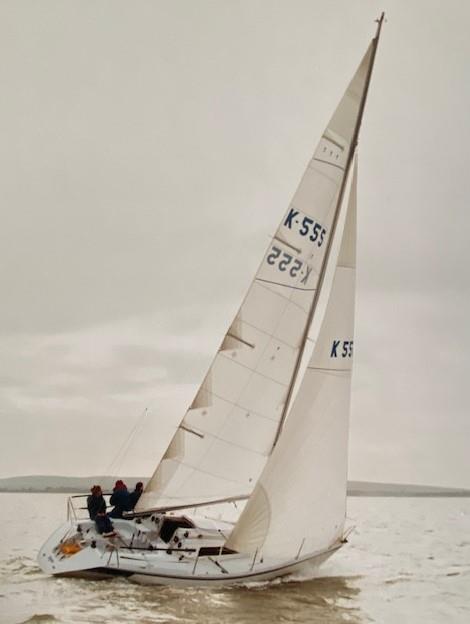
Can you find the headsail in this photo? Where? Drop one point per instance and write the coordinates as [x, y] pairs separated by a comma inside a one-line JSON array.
[[222, 444], [300, 499]]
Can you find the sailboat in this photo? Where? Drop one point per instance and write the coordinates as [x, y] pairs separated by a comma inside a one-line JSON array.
[[267, 432]]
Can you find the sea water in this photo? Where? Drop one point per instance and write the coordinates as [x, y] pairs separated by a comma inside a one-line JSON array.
[[407, 561]]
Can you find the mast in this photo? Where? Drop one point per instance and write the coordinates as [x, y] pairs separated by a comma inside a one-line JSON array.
[[342, 190]]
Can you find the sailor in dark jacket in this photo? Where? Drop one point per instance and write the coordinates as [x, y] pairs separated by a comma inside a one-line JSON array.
[[97, 510], [120, 498], [135, 495]]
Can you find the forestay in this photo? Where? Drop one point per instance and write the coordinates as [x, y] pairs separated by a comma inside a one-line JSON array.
[[298, 505], [222, 444]]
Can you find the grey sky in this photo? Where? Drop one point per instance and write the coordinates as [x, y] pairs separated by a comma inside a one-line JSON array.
[[149, 149]]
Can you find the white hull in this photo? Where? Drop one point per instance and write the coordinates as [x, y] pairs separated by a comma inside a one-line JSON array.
[[260, 574], [85, 554]]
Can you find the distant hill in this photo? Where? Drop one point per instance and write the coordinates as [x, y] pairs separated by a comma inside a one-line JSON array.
[[367, 488], [68, 485], [80, 485]]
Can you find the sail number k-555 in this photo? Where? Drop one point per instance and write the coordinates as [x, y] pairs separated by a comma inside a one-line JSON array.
[[306, 226], [283, 261], [342, 348]]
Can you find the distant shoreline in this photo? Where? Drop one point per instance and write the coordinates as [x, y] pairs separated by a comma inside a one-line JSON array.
[[56, 484], [350, 494], [378, 494]]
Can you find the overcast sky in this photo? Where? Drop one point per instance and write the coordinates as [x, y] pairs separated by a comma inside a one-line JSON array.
[[149, 148]]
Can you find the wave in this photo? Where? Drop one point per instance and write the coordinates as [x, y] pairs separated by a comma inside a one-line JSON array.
[[20, 569]]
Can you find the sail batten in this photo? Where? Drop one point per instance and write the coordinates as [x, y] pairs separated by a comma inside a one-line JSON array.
[[259, 357]]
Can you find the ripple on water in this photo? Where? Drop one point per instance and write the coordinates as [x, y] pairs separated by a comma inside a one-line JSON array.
[[20, 569], [404, 578]]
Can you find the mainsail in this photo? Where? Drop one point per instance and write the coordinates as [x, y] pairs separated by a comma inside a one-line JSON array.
[[298, 505], [223, 442]]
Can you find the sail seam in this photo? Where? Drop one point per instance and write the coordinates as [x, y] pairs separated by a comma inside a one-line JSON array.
[[281, 296], [254, 371], [212, 474], [265, 333], [259, 279], [245, 448], [245, 342], [284, 242], [247, 409], [329, 370], [327, 138], [326, 162]]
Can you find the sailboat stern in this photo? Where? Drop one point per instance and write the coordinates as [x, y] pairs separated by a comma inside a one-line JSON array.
[[70, 550]]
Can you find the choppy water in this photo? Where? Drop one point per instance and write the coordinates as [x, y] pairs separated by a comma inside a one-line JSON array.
[[407, 562]]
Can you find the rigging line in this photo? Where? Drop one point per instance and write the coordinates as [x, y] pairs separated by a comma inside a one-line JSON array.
[[352, 149], [122, 451], [259, 279]]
